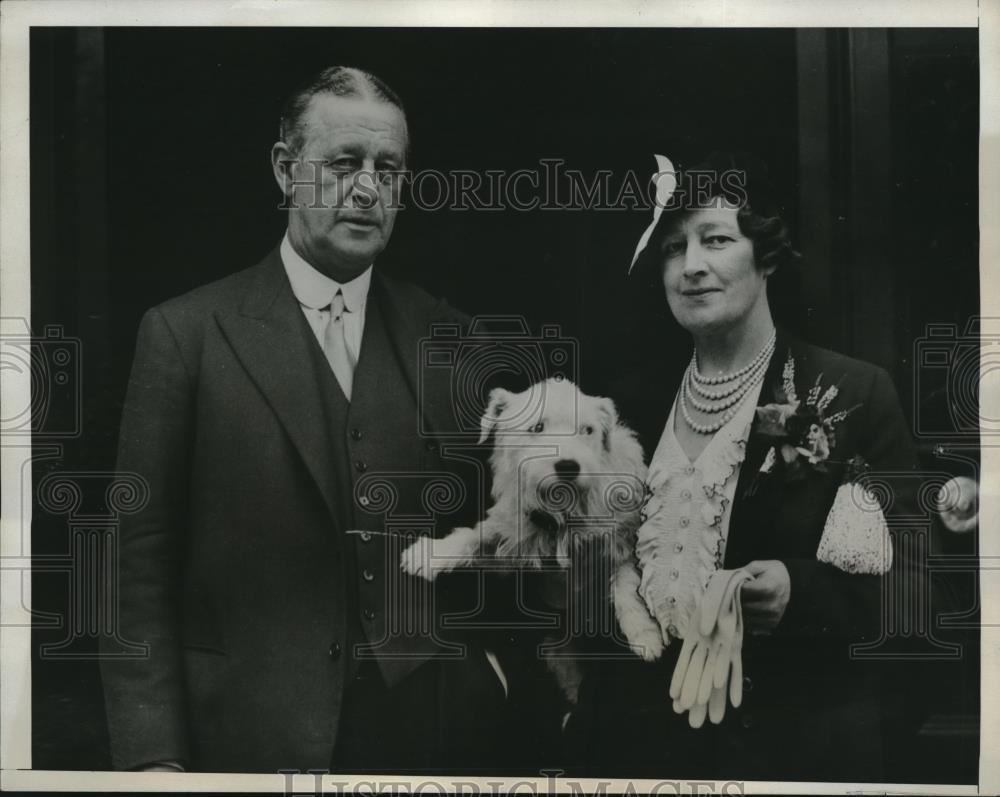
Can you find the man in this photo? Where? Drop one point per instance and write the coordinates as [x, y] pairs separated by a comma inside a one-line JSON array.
[[271, 413]]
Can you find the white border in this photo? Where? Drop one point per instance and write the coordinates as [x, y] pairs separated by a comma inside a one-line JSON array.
[[16, 16], [362, 784], [989, 398], [500, 13]]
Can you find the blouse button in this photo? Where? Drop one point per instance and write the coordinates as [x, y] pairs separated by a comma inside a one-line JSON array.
[[686, 495], [689, 470], [684, 522], [672, 630], [672, 600], [678, 548], [674, 574]]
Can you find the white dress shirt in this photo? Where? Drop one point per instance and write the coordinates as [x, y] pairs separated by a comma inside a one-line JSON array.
[[315, 291]]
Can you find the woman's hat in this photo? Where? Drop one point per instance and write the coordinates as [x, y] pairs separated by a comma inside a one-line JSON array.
[[740, 179]]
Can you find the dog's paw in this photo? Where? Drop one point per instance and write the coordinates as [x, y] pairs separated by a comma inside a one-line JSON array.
[[418, 559], [643, 635], [648, 644]]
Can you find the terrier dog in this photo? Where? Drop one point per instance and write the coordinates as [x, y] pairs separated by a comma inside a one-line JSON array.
[[566, 474]]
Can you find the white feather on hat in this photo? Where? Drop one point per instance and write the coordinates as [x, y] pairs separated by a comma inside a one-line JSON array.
[[665, 180]]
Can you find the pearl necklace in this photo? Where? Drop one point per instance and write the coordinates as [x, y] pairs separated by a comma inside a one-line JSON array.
[[736, 394], [718, 380], [727, 401]]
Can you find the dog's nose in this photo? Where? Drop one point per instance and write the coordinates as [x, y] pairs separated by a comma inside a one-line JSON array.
[[567, 469]]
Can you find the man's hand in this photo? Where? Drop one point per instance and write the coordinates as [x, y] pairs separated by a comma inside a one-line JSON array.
[[765, 597]]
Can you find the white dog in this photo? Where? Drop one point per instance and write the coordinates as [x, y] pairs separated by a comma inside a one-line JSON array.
[[565, 471]]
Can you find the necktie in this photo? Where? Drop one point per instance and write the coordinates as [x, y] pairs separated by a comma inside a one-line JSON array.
[[335, 345]]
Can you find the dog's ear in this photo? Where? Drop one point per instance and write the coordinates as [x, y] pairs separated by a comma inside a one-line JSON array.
[[499, 399], [608, 415]]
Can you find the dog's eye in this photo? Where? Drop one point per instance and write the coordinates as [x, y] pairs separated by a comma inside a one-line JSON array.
[[586, 429], [538, 428]]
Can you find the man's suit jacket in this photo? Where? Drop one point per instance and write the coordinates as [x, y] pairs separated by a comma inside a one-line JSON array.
[[239, 574], [810, 709]]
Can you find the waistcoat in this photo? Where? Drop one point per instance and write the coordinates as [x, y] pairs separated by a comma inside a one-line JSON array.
[[386, 474]]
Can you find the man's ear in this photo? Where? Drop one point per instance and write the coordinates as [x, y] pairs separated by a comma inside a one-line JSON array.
[[282, 161], [498, 402], [608, 415]]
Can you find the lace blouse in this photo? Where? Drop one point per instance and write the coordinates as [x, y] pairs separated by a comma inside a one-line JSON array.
[[682, 539]]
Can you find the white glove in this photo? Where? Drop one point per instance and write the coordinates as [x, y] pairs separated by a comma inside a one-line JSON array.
[[736, 673], [710, 659]]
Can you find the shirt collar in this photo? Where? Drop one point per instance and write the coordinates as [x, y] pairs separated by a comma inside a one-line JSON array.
[[316, 290]]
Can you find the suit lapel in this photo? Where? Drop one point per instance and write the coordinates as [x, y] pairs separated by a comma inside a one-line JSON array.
[[752, 505], [271, 340], [406, 326]]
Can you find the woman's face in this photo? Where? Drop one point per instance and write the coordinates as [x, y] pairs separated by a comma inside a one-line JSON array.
[[711, 279]]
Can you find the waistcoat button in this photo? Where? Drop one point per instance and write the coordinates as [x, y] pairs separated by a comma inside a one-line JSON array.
[[355, 434], [361, 466]]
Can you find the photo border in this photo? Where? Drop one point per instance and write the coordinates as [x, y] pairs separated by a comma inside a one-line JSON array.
[[16, 19]]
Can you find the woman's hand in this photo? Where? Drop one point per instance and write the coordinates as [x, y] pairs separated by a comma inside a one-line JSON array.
[[765, 597]]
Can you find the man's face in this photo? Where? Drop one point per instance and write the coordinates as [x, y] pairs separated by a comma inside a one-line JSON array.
[[343, 186]]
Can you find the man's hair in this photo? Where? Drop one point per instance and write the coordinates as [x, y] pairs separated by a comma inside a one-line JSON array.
[[340, 81]]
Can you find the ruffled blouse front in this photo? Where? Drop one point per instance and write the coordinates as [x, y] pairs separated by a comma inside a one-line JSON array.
[[682, 540]]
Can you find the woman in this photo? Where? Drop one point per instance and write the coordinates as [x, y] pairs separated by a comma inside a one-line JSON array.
[[749, 445]]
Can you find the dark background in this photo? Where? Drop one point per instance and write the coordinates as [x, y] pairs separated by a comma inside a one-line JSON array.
[[150, 176]]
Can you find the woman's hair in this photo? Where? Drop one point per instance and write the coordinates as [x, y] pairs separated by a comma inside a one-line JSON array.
[[738, 180]]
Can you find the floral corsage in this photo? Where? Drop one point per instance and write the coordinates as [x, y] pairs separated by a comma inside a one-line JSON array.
[[802, 435]]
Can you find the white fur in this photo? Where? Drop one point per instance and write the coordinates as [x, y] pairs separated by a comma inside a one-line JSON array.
[[604, 499]]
